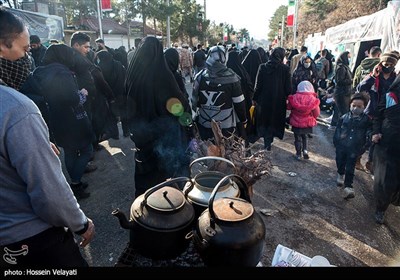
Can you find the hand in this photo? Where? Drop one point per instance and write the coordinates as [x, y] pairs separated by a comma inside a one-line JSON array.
[[84, 92], [376, 138], [88, 235], [377, 70], [55, 149]]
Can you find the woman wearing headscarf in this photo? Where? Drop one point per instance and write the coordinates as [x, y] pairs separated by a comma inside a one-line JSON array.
[[69, 121], [217, 96], [158, 116], [305, 71], [251, 63], [386, 135], [172, 58], [245, 81], [343, 88], [273, 86], [114, 73]]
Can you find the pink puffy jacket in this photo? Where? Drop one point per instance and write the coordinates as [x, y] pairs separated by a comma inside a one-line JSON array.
[[304, 108]]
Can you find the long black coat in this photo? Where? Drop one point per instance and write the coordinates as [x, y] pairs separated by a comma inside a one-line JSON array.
[[387, 152], [273, 85]]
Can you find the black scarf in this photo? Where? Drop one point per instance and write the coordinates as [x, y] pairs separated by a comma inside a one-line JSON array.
[[15, 73]]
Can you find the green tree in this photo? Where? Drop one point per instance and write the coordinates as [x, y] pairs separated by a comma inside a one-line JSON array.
[[75, 10], [274, 22], [319, 7]]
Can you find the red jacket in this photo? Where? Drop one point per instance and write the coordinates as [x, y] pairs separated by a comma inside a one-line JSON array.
[[305, 109]]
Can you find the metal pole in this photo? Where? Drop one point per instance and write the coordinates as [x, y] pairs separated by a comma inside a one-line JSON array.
[[168, 29], [295, 24], [282, 30], [205, 18], [99, 17]]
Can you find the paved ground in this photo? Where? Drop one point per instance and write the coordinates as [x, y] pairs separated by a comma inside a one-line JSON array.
[[306, 212]]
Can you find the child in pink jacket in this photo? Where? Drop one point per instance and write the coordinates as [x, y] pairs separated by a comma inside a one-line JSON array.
[[304, 106]]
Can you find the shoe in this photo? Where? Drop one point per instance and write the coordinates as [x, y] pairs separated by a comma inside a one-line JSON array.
[[90, 167], [305, 154], [359, 166], [379, 217], [340, 180], [79, 192], [369, 166], [348, 193], [298, 157], [268, 148], [310, 136]]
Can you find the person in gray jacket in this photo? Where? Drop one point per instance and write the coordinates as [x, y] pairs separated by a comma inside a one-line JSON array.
[[38, 211]]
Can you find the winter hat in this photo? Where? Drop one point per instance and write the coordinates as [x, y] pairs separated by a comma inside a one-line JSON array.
[[390, 57], [305, 86]]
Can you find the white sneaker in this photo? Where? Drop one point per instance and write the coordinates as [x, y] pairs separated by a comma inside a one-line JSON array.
[[340, 180], [348, 193]]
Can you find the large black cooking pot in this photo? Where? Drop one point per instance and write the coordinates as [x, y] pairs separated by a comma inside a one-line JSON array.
[[198, 191], [159, 220], [230, 232]]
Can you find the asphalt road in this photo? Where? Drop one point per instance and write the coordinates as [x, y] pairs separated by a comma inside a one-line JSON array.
[[304, 209]]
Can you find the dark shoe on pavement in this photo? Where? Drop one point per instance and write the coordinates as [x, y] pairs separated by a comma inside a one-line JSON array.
[[305, 154], [90, 167], [379, 217], [310, 136], [79, 192]]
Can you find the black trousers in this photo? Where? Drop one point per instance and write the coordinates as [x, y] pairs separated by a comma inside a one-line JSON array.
[[346, 163], [300, 143], [54, 247]]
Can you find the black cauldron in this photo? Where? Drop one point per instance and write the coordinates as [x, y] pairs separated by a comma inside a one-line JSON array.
[[159, 220]]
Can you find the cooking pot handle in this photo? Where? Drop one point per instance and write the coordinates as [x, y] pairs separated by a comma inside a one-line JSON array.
[[242, 186], [210, 158], [161, 185]]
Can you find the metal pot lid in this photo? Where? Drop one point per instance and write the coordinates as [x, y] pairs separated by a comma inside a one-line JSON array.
[[166, 199], [232, 209]]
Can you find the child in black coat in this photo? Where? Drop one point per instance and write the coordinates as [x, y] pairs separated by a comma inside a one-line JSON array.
[[350, 138]]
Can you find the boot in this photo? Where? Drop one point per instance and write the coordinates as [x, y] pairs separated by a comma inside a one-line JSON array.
[[79, 191]]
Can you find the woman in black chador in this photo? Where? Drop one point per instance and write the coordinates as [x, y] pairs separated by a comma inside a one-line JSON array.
[[273, 85], [158, 116]]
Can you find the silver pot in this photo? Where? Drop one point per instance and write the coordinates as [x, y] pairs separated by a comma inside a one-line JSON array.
[[198, 190]]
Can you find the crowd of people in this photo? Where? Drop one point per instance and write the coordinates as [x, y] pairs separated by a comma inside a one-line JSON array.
[[80, 94]]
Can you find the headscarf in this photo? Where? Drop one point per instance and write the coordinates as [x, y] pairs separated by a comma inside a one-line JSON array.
[[172, 59], [60, 53], [217, 72], [251, 63], [235, 64], [343, 58], [149, 82], [15, 73], [276, 57]]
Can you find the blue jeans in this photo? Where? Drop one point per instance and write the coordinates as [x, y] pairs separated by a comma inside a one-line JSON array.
[[76, 161]]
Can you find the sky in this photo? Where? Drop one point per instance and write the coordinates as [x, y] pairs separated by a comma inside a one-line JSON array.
[[254, 15]]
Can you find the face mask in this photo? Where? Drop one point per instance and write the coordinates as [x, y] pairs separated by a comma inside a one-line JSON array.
[[387, 70], [357, 111], [307, 65]]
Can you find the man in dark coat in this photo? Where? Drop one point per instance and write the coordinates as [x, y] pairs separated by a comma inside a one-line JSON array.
[[386, 135], [273, 85], [37, 49]]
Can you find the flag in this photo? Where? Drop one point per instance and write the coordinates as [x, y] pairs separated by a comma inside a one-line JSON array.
[[106, 5], [225, 34], [291, 12]]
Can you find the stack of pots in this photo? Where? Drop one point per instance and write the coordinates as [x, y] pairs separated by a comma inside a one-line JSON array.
[[198, 190], [229, 232], [159, 221]]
